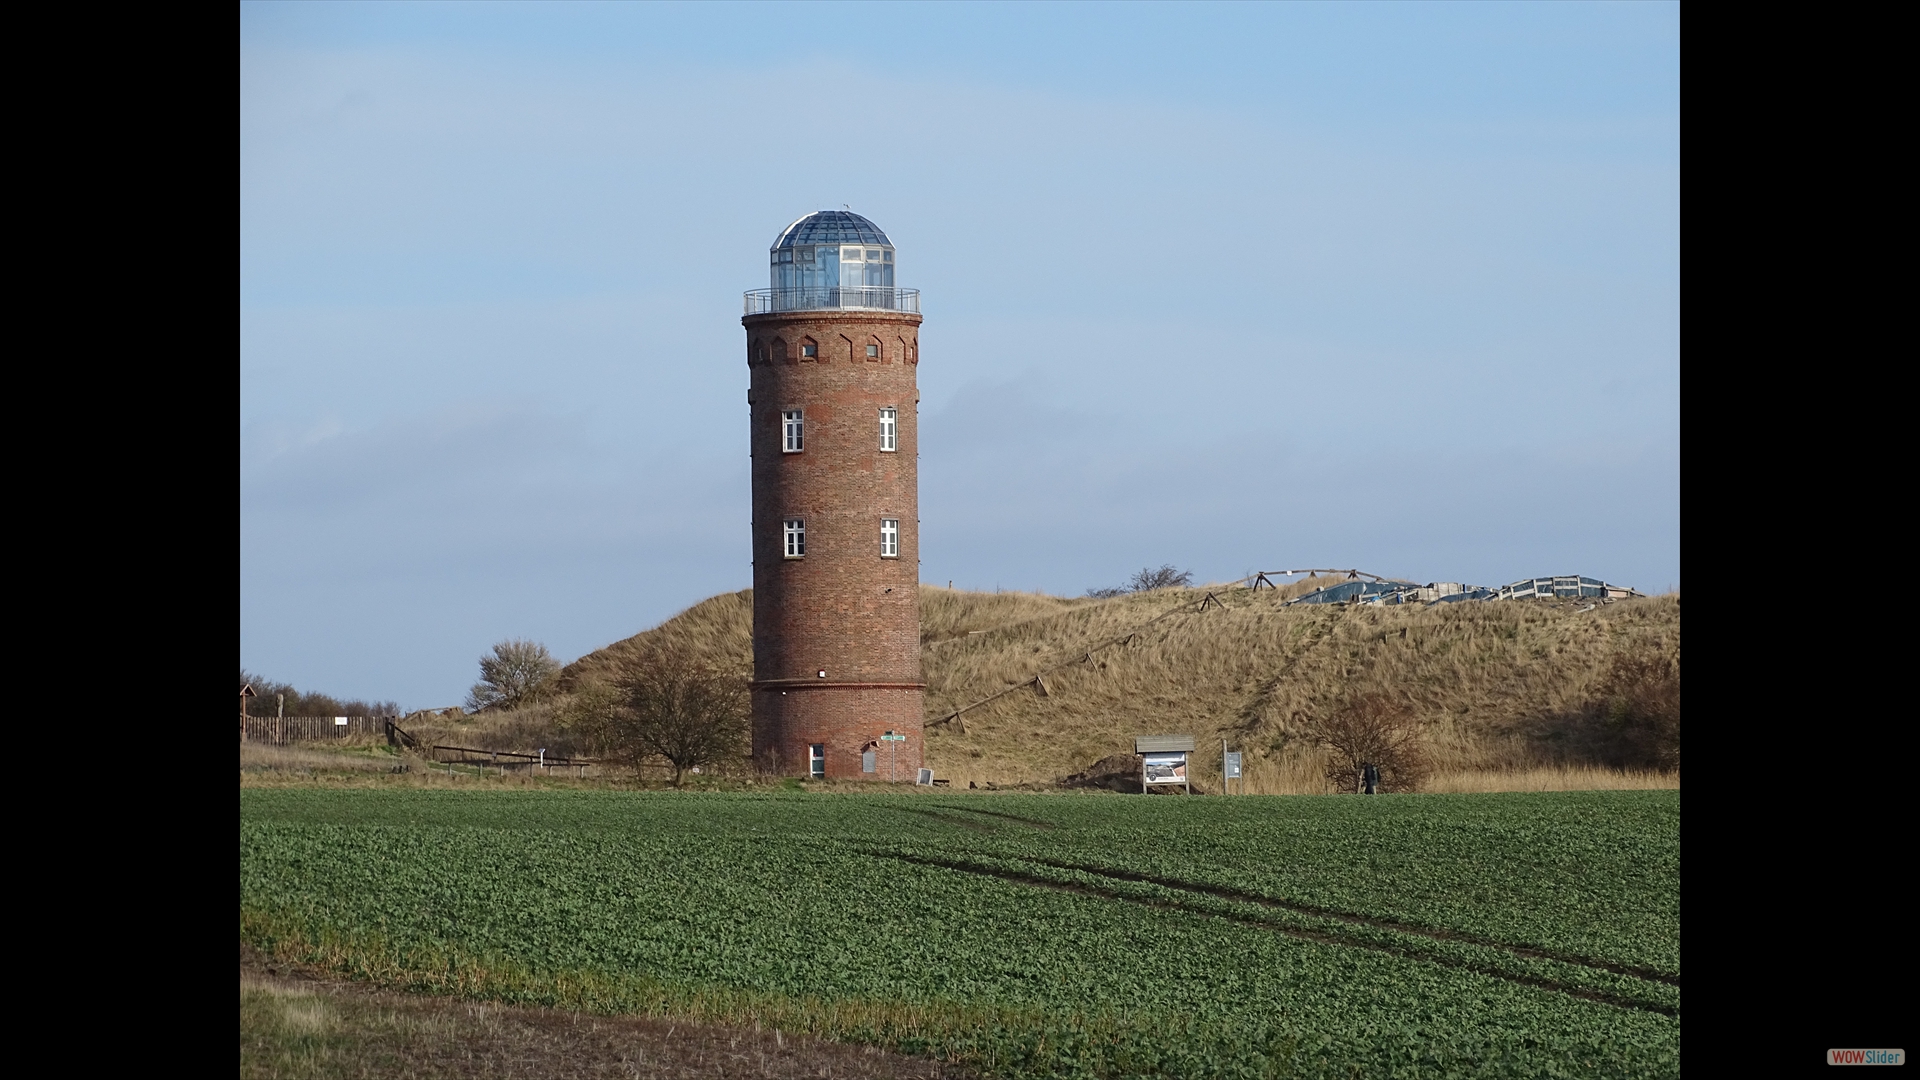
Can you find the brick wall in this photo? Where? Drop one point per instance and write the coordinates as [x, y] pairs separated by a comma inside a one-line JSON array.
[[846, 720], [842, 608]]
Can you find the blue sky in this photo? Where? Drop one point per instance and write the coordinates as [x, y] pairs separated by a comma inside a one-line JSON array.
[[1234, 287]]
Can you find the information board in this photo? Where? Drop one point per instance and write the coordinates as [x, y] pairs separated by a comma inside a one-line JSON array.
[[1165, 768]]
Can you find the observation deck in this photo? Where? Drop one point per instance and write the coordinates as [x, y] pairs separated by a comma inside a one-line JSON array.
[[833, 298]]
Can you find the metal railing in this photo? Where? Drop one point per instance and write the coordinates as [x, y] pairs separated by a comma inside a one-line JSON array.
[[863, 297]]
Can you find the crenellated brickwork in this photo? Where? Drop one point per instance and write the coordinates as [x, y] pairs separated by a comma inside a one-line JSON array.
[[843, 608]]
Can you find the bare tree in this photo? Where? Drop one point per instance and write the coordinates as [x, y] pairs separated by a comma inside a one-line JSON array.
[[516, 674], [668, 703], [1148, 579], [1371, 729], [1167, 577]]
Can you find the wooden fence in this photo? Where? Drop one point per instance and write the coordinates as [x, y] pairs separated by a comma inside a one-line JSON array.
[[282, 730], [503, 760]]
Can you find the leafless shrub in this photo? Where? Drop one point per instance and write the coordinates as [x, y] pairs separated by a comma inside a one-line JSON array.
[[516, 674], [1369, 729], [1147, 580], [1167, 577], [1632, 720], [670, 703]]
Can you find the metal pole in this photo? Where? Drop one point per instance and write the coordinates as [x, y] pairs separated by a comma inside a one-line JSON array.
[[1223, 768]]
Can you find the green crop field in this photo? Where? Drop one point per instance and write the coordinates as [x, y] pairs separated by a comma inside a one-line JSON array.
[[1440, 935]]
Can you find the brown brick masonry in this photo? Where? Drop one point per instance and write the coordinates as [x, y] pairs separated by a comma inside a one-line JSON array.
[[843, 608]]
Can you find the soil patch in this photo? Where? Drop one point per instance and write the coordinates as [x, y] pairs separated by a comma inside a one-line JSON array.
[[295, 1022]]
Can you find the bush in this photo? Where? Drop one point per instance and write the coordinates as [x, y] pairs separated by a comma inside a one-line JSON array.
[[1636, 717], [666, 703], [1166, 577], [1371, 729], [518, 673], [1630, 721], [1148, 579]]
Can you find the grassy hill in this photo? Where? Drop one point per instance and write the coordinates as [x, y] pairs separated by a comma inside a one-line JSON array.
[[1490, 678]]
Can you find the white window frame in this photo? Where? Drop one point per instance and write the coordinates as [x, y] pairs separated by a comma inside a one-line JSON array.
[[792, 431], [793, 536], [889, 538], [817, 760], [889, 430]]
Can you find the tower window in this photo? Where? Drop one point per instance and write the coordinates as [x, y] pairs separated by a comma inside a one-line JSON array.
[[889, 538], [790, 431], [808, 348], [873, 350], [817, 761], [796, 535], [889, 428]]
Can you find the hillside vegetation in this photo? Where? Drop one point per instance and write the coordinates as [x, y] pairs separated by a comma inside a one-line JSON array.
[[1501, 686]]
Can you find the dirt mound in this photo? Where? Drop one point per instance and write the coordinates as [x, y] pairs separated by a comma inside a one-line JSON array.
[[1121, 772], [1115, 772]]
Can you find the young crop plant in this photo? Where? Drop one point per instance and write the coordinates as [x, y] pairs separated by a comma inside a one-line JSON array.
[[1039, 936]]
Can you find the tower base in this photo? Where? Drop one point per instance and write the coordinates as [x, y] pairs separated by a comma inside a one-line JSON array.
[[847, 722]]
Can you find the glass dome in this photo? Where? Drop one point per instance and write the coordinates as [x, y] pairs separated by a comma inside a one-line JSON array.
[[831, 227], [831, 250]]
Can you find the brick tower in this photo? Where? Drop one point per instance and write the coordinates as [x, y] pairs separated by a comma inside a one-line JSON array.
[[832, 349]]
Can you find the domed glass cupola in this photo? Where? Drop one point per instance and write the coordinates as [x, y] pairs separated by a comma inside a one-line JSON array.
[[831, 259]]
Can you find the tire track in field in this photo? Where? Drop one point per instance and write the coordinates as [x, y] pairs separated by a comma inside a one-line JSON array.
[[1035, 822], [1319, 937], [1415, 929], [948, 819], [1229, 893]]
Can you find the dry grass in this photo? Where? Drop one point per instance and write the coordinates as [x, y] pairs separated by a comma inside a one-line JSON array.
[[309, 758], [1476, 673], [292, 1026], [1300, 773], [1553, 778], [374, 765], [719, 627], [1473, 672]]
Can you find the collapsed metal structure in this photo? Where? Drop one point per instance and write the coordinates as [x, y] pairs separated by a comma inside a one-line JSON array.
[[1359, 587]]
